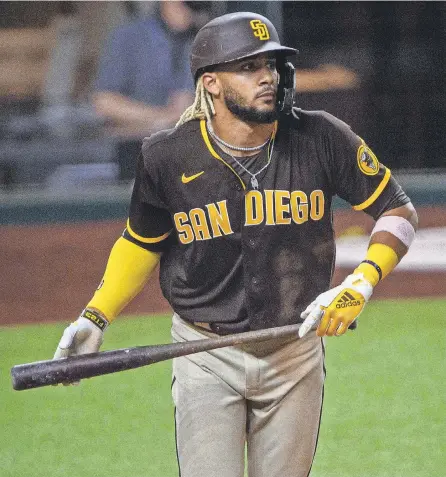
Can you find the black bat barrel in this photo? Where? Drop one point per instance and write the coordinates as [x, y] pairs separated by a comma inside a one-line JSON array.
[[74, 368]]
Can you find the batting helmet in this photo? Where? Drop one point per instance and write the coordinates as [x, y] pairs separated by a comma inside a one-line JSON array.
[[232, 37]]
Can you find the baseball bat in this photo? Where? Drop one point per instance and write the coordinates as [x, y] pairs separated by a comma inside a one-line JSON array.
[[74, 368]]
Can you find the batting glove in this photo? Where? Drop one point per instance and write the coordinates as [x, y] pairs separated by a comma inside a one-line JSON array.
[[83, 336], [336, 309]]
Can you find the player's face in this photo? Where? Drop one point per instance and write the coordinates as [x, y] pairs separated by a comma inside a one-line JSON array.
[[249, 88]]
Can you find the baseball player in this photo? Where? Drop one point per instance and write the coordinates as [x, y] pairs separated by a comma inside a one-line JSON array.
[[235, 204]]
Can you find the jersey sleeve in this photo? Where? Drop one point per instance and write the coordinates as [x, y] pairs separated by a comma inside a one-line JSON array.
[[149, 224], [358, 176]]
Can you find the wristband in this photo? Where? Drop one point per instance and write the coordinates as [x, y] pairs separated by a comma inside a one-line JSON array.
[[95, 318], [379, 262], [376, 266]]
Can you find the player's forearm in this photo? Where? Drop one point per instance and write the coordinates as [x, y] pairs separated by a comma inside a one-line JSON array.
[[389, 242], [128, 269], [337, 308], [407, 212]]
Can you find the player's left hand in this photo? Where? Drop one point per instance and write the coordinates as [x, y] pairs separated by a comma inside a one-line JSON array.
[[338, 308], [81, 337]]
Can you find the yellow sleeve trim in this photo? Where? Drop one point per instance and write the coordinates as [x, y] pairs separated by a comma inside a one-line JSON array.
[[145, 239], [376, 194]]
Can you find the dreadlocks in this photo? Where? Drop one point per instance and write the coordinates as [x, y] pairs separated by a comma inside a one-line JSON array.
[[202, 107]]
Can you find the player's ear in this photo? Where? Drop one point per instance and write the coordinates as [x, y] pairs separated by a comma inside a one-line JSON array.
[[211, 83]]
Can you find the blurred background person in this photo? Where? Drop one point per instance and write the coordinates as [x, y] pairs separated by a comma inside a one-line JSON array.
[[144, 81], [69, 107]]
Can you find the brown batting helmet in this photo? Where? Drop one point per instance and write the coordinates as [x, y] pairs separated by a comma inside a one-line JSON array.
[[232, 37]]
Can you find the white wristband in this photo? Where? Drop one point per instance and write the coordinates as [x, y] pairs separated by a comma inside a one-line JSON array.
[[397, 226]]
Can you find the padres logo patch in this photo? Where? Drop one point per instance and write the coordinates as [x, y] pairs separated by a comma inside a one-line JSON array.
[[367, 161], [260, 29]]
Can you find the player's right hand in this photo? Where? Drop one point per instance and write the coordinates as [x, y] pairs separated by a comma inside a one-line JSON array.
[[81, 337], [337, 308]]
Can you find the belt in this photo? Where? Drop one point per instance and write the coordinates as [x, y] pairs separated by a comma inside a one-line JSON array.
[[210, 327], [213, 328], [202, 324]]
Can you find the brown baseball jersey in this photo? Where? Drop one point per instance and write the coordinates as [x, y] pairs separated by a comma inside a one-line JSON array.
[[241, 258]]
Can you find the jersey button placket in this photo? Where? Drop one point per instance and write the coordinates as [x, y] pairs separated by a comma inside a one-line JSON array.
[[252, 282]]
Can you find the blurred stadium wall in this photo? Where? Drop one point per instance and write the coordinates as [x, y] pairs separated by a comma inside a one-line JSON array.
[[379, 66]]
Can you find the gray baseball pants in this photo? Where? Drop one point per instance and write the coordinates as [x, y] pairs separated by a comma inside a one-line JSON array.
[[265, 395]]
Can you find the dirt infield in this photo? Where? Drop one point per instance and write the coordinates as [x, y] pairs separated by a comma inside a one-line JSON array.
[[49, 272]]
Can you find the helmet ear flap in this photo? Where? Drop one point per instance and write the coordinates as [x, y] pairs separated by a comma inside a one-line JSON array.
[[287, 86]]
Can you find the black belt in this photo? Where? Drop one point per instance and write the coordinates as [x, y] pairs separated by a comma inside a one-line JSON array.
[[222, 328], [202, 324]]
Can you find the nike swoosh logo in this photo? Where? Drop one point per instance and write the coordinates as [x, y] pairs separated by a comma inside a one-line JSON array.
[[185, 179]]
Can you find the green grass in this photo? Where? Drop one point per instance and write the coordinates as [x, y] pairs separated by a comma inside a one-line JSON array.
[[383, 412]]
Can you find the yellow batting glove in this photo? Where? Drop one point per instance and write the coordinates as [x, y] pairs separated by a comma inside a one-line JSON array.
[[336, 309]]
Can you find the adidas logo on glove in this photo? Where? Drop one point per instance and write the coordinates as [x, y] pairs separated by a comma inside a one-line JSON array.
[[347, 300]]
